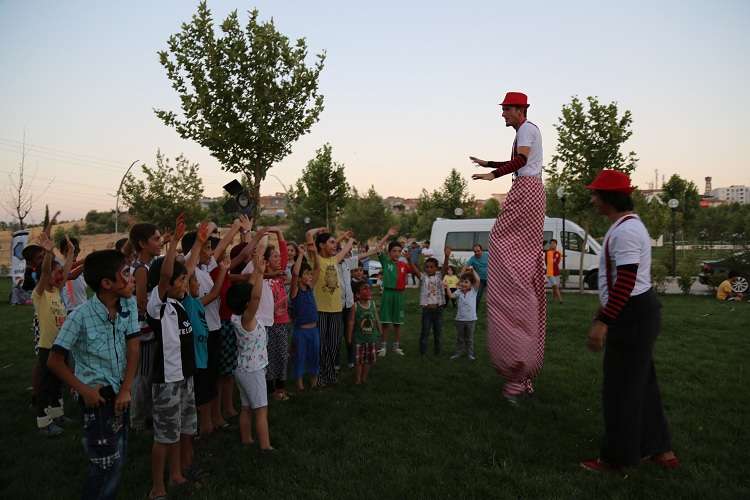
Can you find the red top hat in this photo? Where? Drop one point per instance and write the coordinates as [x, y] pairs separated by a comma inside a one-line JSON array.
[[612, 180], [515, 99]]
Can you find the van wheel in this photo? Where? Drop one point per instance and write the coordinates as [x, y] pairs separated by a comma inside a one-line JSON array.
[[592, 280]]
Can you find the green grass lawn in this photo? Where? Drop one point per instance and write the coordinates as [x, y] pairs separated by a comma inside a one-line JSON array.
[[434, 428]]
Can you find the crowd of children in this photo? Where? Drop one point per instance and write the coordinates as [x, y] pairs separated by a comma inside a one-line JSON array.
[[165, 339]]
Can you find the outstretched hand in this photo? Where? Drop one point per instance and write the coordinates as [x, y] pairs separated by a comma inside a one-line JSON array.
[[478, 162], [179, 230], [46, 243], [202, 235], [483, 177]]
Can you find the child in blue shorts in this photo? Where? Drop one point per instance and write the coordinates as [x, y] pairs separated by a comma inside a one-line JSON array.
[[306, 335]]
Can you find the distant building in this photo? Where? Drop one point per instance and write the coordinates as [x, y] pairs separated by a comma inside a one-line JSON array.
[[732, 194], [206, 202], [401, 205], [274, 205]]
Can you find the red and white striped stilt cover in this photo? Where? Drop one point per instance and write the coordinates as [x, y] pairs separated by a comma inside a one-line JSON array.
[[516, 301]]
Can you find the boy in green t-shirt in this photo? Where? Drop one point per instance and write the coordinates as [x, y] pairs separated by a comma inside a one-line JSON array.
[[364, 329], [392, 314]]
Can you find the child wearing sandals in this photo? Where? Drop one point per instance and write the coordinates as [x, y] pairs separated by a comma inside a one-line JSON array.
[[364, 330], [252, 358]]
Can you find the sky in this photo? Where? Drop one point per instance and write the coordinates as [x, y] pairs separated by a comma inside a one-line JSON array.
[[411, 88]]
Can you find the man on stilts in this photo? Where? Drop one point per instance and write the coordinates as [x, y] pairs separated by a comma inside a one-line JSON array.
[[516, 302]]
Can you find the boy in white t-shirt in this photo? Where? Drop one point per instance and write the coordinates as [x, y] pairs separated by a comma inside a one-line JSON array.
[[466, 314]]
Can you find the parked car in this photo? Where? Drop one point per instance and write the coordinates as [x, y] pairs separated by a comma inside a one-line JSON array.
[[715, 271], [462, 234]]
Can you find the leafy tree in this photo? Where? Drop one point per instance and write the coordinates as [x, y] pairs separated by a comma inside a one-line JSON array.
[[319, 194], [443, 202], [686, 192], [60, 232], [407, 223], [589, 140], [490, 209], [215, 211], [246, 94], [367, 215], [167, 190], [654, 214]]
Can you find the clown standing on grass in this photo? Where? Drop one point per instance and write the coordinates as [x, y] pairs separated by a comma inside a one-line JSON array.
[[516, 302]]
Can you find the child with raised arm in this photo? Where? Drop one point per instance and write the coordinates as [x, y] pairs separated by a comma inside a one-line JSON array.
[[432, 301], [349, 271], [210, 253], [306, 336], [252, 357], [329, 299], [102, 336], [364, 331], [50, 311], [172, 390], [74, 290], [280, 330], [194, 302], [466, 314], [146, 241], [392, 315]]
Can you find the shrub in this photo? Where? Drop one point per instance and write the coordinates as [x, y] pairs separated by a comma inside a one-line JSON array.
[[659, 276], [686, 271]]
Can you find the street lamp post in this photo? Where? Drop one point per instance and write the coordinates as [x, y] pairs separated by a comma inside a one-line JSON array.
[[117, 199], [673, 204], [562, 194]]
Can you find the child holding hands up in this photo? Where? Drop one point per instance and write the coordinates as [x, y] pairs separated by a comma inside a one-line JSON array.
[[252, 359], [466, 314]]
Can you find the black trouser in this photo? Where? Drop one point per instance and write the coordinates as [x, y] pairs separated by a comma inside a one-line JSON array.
[[432, 321], [634, 421], [350, 351], [50, 387]]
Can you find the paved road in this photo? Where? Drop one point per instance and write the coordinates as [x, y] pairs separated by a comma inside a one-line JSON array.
[[672, 288]]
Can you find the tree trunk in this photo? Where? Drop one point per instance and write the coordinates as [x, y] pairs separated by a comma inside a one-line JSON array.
[[582, 255], [254, 192]]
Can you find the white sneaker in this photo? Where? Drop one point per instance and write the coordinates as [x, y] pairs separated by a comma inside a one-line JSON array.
[[398, 351], [472, 357], [382, 352], [456, 356]]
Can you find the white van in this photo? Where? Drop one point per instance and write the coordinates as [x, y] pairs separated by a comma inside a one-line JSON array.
[[462, 234]]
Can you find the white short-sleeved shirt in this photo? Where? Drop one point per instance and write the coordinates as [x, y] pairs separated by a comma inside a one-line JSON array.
[[205, 285], [74, 293], [528, 135], [629, 243], [345, 280], [264, 316]]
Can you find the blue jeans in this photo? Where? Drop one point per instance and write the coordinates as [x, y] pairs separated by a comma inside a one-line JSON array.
[[432, 319], [480, 292], [105, 441]]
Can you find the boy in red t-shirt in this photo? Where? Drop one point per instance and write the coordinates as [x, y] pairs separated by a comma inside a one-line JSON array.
[[552, 261]]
